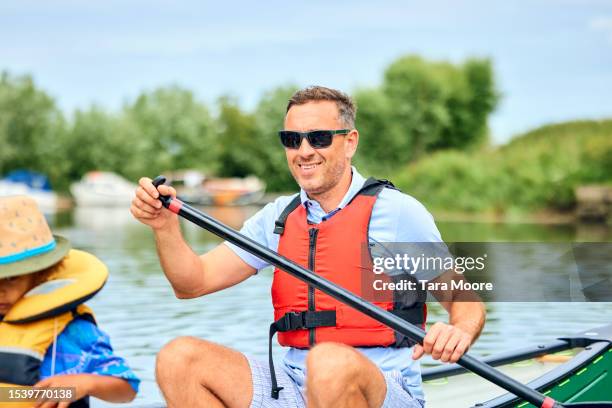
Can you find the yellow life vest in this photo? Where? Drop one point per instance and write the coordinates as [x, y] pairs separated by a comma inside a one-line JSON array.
[[34, 322]]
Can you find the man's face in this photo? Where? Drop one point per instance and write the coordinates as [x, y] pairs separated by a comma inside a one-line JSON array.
[[13, 289], [319, 170]]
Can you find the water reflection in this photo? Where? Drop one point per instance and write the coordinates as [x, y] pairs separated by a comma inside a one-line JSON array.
[[139, 311]]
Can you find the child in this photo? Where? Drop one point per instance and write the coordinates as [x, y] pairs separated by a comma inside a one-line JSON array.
[[48, 337]]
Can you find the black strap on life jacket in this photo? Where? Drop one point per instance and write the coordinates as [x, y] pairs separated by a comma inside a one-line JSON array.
[[19, 369], [279, 224], [413, 315], [373, 186], [296, 321]]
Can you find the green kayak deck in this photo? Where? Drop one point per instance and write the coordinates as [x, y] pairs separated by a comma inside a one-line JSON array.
[[575, 368]]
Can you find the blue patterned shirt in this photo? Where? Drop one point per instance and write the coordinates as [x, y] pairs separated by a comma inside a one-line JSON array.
[[82, 348]]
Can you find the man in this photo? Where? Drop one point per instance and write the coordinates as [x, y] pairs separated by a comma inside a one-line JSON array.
[[320, 140]]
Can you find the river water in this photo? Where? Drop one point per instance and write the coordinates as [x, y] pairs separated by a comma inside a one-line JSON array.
[[139, 311]]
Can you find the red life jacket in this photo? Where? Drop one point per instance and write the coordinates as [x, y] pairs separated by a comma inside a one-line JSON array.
[[338, 250]]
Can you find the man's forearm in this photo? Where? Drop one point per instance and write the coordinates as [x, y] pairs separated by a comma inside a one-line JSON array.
[[181, 265], [468, 316]]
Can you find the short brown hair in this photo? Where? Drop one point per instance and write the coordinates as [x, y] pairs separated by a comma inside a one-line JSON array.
[[42, 276], [346, 107]]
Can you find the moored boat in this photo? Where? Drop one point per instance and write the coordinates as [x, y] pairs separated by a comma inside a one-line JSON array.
[[234, 191], [102, 189], [575, 368], [32, 184], [194, 187]]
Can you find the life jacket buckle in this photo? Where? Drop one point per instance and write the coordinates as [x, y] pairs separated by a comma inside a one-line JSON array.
[[293, 321]]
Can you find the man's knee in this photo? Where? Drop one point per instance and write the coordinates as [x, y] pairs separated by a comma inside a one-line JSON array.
[[333, 361], [336, 372], [189, 364], [178, 355]]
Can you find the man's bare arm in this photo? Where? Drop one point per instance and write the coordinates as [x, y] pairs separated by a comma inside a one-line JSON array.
[[448, 342], [465, 309], [189, 274]]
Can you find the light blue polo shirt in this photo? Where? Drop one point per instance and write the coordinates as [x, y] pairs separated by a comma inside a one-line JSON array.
[[396, 217]]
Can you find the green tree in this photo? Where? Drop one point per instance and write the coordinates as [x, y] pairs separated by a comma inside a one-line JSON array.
[[240, 153], [31, 129], [382, 141], [435, 105], [417, 98], [483, 97], [167, 129], [269, 119], [95, 142]]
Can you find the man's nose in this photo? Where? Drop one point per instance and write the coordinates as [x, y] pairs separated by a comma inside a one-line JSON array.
[[305, 148]]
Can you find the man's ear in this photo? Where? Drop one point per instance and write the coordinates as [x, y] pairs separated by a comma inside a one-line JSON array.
[[351, 143]]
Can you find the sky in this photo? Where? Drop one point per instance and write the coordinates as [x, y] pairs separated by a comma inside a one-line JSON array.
[[552, 59]]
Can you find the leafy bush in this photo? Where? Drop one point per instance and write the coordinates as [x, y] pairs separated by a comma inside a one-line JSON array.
[[535, 170]]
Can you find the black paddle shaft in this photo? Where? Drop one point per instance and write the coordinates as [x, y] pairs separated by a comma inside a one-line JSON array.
[[396, 323]]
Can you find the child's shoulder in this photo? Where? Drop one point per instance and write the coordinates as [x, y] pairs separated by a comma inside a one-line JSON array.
[[84, 333], [76, 346]]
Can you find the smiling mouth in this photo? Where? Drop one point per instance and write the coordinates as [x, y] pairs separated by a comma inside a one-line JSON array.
[[308, 166]]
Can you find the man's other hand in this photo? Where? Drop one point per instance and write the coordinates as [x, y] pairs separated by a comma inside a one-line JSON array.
[[444, 342]]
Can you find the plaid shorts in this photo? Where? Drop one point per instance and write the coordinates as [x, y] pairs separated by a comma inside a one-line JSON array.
[[292, 395]]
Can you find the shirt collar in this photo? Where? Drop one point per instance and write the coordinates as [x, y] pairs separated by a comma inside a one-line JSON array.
[[357, 181]]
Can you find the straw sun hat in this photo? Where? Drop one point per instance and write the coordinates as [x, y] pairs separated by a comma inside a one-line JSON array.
[[26, 242]]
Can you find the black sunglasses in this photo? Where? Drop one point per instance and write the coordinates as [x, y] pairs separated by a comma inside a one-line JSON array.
[[318, 139]]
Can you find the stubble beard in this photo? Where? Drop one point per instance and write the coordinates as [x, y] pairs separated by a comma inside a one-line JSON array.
[[330, 178]]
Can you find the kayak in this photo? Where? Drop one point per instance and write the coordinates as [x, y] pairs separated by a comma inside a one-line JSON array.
[[575, 368]]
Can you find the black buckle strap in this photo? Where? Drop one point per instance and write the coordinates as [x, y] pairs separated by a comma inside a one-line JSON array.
[[291, 321], [372, 187], [279, 224], [414, 315], [275, 388], [305, 320], [296, 321]]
